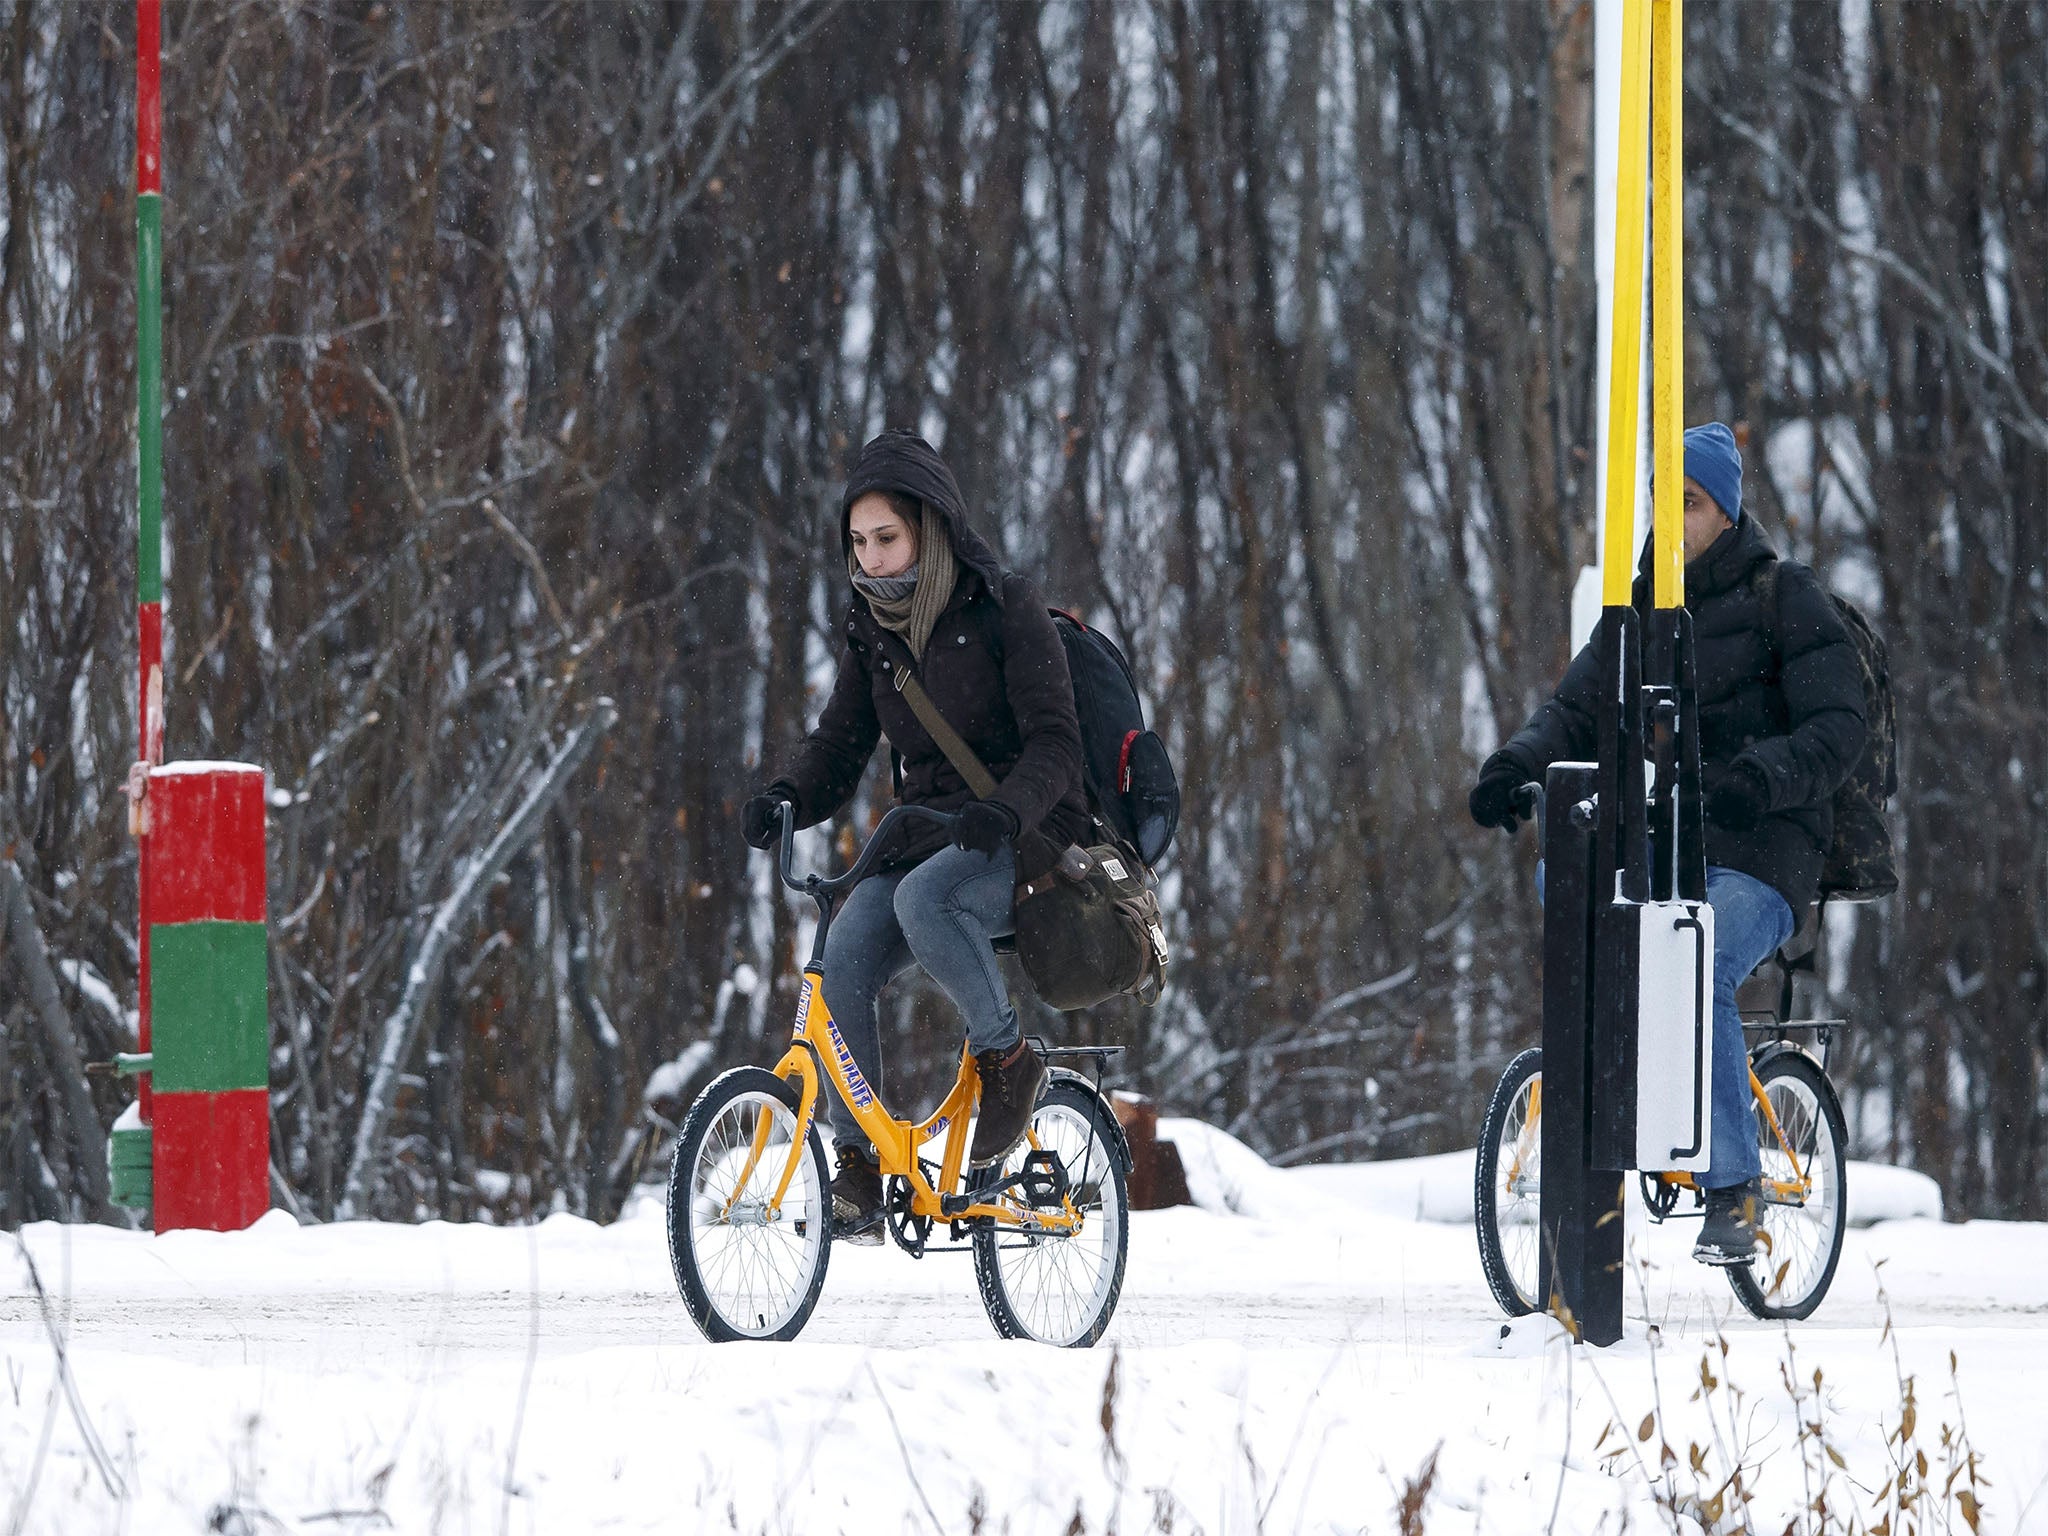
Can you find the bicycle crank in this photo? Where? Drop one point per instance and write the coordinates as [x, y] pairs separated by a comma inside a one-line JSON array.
[[908, 1230]]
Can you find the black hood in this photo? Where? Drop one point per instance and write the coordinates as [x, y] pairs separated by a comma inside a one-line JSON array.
[[1722, 565], [905, 463]]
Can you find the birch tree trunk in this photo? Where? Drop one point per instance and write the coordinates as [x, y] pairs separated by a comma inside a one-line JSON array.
[[401, 1029]]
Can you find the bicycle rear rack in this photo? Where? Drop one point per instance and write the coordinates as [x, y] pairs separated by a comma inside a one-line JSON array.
[[1097, 1056]]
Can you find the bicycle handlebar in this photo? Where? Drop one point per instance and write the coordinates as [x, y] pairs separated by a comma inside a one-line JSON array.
[[1528, 801], [816, 885]]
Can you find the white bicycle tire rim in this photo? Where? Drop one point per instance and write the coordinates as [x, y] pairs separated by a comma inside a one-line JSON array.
[[1031, 1270], [1517, 1203], [1802, 1237], [755, 1276]]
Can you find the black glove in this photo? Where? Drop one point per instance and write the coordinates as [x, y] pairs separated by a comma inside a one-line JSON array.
[[1740, 800], [1492, 801], [984, 826], [760, 818]]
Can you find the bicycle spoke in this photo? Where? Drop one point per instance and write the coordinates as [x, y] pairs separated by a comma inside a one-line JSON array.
[[1800, 1237], [1057, 1283], [755, 1271], [1518, 1173]]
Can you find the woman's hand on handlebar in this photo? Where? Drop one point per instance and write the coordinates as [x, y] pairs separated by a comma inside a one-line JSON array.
[[761, 818], [879, 846], [984, 826]]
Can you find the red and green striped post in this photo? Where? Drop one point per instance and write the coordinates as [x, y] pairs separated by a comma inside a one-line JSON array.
[[196, 1146], [129, 1147], [149, 432], [209, 960]]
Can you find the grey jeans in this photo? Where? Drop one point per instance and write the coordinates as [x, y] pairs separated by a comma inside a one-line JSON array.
[[941, 915]]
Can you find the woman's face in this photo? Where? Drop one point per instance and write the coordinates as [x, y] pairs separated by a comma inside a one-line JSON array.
[[883, 543]]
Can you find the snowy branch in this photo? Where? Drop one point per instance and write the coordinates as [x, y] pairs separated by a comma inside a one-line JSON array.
[[24, 944], [401, 1029]]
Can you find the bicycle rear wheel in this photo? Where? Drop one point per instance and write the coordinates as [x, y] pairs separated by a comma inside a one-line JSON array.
[[1799, 1238], [1507, 1186], [1061, 1288], [745, 1271]]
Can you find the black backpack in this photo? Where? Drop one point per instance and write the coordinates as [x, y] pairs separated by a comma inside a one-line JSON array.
[[1860, 865], [1131, 785]]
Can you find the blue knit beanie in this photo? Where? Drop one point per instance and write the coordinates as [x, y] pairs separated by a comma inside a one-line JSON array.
[[1712, 458]]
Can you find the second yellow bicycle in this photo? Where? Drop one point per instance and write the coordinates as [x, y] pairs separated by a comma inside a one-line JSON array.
[[750, 1200]]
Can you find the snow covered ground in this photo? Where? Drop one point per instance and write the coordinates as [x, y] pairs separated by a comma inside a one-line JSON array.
[[1288, 1358]]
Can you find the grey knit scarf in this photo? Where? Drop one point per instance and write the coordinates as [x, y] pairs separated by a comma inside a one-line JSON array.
[[910, 604]]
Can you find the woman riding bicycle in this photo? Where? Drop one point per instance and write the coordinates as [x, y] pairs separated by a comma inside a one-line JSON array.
[[930, 596]]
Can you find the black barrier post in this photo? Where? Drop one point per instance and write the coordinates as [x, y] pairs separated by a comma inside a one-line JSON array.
[[1580, 1210], [1620, 885]]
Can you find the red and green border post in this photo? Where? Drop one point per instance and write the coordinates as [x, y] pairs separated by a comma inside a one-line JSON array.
[[196, 1144], [128, 1148], [209, 973]]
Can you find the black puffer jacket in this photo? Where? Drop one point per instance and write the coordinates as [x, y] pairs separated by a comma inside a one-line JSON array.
[[1793, 709], [994, 666]]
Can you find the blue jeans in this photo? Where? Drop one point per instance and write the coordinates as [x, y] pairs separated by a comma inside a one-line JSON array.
[[941, 915], [1750, 921]]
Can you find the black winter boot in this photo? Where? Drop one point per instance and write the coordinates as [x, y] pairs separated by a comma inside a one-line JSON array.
[[1010, 1080], [857, 1198], [1729, 1233]]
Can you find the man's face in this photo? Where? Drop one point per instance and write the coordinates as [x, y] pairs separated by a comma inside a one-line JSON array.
[[1704, 519]]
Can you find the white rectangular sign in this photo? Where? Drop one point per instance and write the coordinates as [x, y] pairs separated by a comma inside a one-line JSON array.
[[1675, 1037]]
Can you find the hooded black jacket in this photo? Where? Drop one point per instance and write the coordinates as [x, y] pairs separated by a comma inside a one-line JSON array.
[[994, 666], [1789, 703]]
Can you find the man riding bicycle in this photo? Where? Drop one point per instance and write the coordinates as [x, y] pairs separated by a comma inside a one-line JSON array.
[[931, 597], [1781, 725]]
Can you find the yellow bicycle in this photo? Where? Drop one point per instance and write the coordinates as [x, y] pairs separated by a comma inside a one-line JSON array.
[[1802, 1142], [750, 1199]]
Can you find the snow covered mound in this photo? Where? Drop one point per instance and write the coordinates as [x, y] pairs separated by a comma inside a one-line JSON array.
[[1229, 1178], [1289, 1358]]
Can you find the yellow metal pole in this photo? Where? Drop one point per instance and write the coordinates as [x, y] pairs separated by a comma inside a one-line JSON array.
[[1667, 301], [1624, 379]]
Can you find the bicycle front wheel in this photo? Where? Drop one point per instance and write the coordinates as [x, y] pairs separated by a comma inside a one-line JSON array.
[[748, 1268], [1507, 1186], [1804, 1210], [1061, 1288]]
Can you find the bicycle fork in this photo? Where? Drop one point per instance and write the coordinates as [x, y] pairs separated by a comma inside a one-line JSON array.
[[796, 1064], [1795, 1189]]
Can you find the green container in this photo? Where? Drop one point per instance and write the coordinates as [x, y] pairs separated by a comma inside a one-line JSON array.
[[128, 1166]]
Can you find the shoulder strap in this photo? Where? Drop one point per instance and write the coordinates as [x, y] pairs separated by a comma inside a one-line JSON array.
[[950, 741], [958, 753]]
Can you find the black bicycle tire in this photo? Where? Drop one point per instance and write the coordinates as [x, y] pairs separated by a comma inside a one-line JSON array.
[[1486, 1163], [1742, 1278], [704, 1113], [987, 1237]]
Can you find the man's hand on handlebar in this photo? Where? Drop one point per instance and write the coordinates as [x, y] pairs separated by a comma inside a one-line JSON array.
[[1501, 798], [761, 817]]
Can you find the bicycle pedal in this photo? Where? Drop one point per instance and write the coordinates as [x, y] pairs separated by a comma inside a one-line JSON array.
[[865, 1234], [1719, 1258]]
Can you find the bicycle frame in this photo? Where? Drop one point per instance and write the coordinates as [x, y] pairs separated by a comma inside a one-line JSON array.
[[1529, 801], [1791, 1191], [1778, 1191], [818, 1054]]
